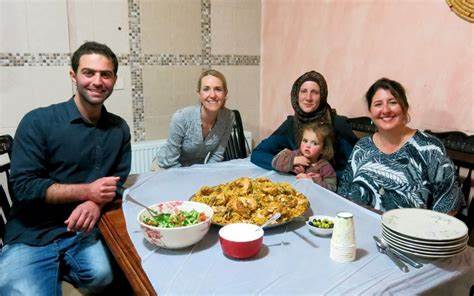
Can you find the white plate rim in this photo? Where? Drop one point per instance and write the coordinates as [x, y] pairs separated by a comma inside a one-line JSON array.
[[428, 256], [421, 252], [424, 242], [423, 247], [402, 221]]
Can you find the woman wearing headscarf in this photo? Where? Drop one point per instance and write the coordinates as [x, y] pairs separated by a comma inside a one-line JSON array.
[[309, 101]]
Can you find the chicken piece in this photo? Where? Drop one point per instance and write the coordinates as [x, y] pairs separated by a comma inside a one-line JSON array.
[[205, 190], [243, 205], [220, 199]]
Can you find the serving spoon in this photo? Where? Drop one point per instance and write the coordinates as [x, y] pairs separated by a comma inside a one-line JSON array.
[[274, 217], [120, 191], [152, 212]]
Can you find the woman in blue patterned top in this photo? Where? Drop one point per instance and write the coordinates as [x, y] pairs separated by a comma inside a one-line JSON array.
[[399, 167], [199, 133]]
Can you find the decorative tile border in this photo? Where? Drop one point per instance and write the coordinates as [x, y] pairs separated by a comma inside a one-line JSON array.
[[45, 59], [171, 60], [137, 60], [34, 59], [235, 60], [206, 32], [138, 104]]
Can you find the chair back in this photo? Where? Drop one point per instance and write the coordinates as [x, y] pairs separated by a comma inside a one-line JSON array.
[[236, 146], [362, 126], [6, 142], [460, 148]]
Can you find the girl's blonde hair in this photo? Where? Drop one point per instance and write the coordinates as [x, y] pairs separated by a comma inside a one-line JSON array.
[[324, 131]]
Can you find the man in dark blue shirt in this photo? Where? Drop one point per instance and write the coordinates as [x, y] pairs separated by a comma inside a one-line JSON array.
[[67, 162]]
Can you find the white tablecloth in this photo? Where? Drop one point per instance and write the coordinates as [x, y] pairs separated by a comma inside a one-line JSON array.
[[293, 260]]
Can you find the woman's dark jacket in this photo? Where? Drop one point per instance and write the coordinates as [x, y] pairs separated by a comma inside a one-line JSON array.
[[284, 137]]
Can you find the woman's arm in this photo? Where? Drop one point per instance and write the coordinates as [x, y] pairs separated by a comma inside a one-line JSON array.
[[264, 153], [168, 154], [283, 161], [447, 194]]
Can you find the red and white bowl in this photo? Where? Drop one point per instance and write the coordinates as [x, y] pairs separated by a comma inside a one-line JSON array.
[[241, 240], [178, 237]]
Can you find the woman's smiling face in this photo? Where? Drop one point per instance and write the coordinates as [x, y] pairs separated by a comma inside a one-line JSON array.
[[386, 111], [212, 94], [309, 96]]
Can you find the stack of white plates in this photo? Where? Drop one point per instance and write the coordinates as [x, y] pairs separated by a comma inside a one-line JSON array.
[[424, 233]]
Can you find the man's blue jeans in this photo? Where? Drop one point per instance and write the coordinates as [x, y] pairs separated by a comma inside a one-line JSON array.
[[81, 260]]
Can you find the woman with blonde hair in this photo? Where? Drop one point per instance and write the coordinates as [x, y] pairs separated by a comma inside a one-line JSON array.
[[199, 133]]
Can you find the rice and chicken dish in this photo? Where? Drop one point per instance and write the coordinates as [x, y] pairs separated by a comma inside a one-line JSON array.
[[252, 201]]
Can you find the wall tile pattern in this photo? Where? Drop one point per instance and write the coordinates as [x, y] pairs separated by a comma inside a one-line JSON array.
[[206, 31], [136, 59], [136, 70]]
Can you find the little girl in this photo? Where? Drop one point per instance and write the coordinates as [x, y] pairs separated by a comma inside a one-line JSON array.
[[311, 161]]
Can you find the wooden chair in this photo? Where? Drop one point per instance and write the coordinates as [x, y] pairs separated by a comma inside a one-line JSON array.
[[460, 148], [236, 146], [362, 126], [6, 142]]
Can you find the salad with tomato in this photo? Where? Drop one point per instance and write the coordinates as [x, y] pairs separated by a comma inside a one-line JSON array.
[[180, 219]]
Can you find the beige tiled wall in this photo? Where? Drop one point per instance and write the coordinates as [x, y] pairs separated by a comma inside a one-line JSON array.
[[120, 102], [244, 85], [164, 46], [235, 27], [25, 88], [167, 89], [104, 21], [171, 26], [174, 27], [33, 26]]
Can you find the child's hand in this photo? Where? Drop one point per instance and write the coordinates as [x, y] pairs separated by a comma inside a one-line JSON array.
[[315, 176], [301, 160], [303, 176], [298, 169]]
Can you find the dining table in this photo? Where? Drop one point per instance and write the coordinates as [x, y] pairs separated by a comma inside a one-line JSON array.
[[292, 261]]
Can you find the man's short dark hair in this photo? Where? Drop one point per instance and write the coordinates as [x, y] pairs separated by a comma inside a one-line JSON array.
[[91, 47]]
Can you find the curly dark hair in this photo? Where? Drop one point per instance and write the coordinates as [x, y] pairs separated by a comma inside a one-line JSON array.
[[91, 47], [394, 87]]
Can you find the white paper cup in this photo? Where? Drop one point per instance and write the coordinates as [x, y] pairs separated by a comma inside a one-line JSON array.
[[343, 244], [342, 253]]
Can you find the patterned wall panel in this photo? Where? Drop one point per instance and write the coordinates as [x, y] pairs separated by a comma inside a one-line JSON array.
[[136, 59]]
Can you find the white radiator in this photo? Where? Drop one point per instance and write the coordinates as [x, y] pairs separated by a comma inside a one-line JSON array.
[[144, 152]]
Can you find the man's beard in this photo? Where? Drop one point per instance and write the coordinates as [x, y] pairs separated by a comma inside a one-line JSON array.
[[83, 93]]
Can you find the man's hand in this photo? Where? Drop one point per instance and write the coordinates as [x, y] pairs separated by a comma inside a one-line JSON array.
[[102, 190], [83, 217]]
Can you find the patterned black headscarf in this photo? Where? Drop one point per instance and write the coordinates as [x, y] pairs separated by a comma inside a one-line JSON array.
[[322, 113]]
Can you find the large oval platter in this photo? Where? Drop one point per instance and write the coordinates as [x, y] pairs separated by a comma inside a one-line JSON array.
[[252, 201]]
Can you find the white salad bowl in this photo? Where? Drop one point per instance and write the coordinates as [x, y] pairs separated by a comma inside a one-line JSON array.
[[177, 237]]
